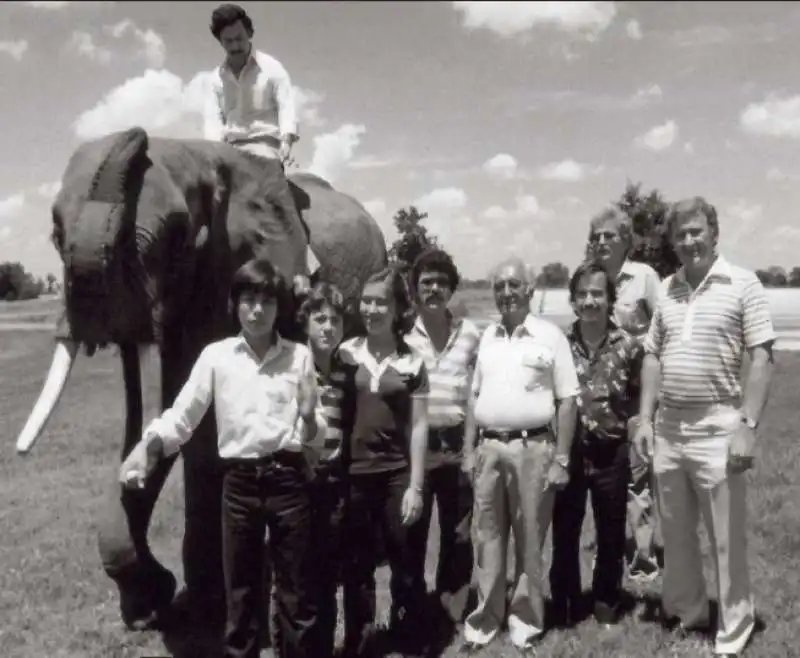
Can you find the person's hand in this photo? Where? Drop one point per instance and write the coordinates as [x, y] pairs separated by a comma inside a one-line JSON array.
[[412, 506], [642, 442], [557, 476], [285, 153], [140, 462], [741, 449]]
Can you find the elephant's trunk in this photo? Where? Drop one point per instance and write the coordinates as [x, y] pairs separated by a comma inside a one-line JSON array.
[[63, 358], [101, 243]]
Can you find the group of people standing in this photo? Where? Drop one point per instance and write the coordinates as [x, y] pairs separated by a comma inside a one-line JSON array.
[[340, 447]]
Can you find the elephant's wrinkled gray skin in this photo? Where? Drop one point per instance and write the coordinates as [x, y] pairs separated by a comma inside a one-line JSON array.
[[150, 232]]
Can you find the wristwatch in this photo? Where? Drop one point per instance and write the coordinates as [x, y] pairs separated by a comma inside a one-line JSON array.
[[752, 424], [562, 461]]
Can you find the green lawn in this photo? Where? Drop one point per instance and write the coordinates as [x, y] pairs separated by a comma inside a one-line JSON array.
[[56, 600]]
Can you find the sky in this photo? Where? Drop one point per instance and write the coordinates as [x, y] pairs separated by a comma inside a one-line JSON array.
[[510, 123]]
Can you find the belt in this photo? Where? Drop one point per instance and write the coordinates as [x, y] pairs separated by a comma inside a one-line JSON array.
[[269, 140], [510, 435], [284, 457]]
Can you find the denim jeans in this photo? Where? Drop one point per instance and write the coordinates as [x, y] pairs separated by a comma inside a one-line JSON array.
[[256, 494]]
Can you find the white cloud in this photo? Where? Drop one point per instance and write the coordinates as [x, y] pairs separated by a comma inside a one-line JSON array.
[[442, 200], [510, 18], [11, 206], [566, 171], [773, 117], [84, 44], [645, 94], [162, 104], [16, 49], [495, 213], [333, 151], [745, 211], [502, 166], [375, 207], [526, 206], [659, 138], [49, 190], [634, 29], [307, 104], [5, 233], [777, 175], [150, 43]]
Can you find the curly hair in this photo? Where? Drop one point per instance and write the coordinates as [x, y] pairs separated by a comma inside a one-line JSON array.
[[588, 268], [260, 276], [227, 15], [435, 260], [392, 277], [321, 294]]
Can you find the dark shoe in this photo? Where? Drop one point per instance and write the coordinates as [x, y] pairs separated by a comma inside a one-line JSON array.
[[565, 613], [144, 601], [470, 648], [605, 615]]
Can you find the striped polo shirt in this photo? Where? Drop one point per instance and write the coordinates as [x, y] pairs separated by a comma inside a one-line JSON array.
[[449, 377], [700, 336], [449, 371], [329, 390]]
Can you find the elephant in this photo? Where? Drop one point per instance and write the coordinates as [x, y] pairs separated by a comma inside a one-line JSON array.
[[150, 231]]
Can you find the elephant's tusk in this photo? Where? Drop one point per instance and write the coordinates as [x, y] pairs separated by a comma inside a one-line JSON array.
[[63, 358]]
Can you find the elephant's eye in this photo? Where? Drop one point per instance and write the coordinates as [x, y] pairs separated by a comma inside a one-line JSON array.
[[255, 205]]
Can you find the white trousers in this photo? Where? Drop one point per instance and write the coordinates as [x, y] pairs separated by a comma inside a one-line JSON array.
[[690, 464]]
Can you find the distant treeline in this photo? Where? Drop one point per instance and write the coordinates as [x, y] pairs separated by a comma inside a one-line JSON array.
[[18, 284]]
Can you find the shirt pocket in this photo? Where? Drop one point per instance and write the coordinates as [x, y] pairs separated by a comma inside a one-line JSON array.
[[281, 392], [537, 366]]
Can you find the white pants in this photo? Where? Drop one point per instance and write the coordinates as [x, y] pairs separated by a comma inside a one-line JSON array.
[[690, 464]]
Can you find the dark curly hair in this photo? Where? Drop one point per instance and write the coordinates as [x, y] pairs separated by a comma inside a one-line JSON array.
[[435, 260], [588, 268], [392, 277], [321, 294], [260, 276], [227, 15]]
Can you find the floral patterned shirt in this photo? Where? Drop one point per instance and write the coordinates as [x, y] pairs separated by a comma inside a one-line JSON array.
[[609, 383]]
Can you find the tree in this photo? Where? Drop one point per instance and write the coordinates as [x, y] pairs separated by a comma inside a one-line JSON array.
[[16, 283], [413, 238], [648, 213], [794, 278], [553, 275]]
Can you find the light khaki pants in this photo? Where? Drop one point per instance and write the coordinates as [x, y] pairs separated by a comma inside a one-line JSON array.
[[690, 464], [510, 493]]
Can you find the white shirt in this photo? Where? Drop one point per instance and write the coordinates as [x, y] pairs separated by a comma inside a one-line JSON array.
[[255, 401], [518, 378], [258, 106]]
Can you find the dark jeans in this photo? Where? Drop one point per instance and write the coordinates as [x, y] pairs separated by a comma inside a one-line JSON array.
[[255, 494], [374, 506], [328, 495], [603, 470], [453, 491]]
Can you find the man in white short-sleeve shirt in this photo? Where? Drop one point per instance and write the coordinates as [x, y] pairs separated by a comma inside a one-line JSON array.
[[524, 380]]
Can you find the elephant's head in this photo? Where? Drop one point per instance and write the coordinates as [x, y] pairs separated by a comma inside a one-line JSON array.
[[149, 232]]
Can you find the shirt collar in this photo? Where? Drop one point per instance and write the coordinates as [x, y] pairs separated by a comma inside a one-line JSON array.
[[455, 324], [626, 271], [252, 61], [613, 333], [273, 352], [720, 270], [527, 328]]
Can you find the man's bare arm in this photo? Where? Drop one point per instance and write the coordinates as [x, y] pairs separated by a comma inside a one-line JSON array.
[[650, 382], [567, 415], [759, 377]]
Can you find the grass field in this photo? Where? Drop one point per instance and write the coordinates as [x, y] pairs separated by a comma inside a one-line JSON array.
[[57, 602]]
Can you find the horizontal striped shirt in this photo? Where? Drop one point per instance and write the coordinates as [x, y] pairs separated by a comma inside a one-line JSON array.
[[449, 371], [700, 336], [329, 390]]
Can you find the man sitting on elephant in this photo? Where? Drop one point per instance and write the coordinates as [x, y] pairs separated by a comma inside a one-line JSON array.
[[251, 104]]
